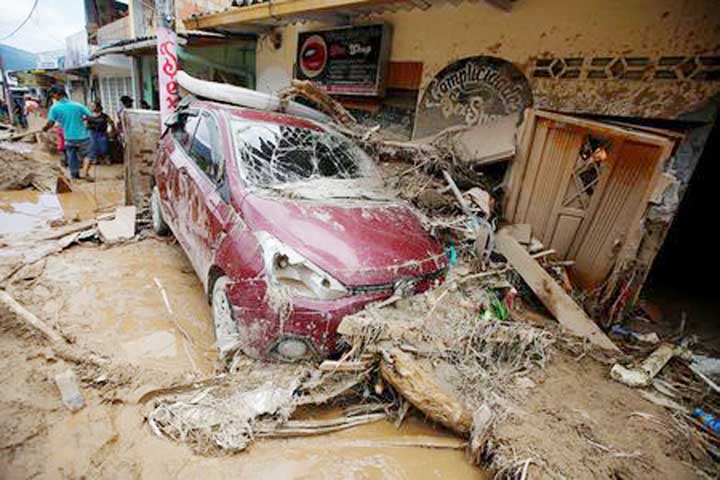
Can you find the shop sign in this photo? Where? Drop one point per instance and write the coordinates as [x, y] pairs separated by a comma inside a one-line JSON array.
[[473, 91], [347, 60]]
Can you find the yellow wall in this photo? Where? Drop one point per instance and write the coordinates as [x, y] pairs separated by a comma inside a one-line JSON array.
[[557, 28], [545, 28]]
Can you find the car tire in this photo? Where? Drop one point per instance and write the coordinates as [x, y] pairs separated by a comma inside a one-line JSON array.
[[158, 221], [226, 329]]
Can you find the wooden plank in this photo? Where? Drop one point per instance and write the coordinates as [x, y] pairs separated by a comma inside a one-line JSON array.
[[519, 164], [559, 303], [28, 317]]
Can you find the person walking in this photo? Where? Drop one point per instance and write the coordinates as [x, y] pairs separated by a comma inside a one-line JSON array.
[[98, 125], [72, 117]]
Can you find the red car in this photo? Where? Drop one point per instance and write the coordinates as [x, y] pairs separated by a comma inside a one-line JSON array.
[[287, 225]]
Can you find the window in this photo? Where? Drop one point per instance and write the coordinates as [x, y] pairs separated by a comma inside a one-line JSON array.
[[204, 148], [271, 154], [184, 129]]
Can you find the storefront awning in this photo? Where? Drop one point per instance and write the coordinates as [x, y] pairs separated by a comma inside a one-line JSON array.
[[266, 14], [141, 45]]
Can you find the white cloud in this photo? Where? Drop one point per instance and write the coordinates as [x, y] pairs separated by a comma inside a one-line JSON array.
[[50, 24]]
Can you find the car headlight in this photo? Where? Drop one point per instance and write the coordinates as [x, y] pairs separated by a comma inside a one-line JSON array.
[[299, 275]]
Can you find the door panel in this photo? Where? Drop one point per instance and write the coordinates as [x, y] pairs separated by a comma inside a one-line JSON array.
[[587, 207], [565, 231], [627, 187], [549, 170]]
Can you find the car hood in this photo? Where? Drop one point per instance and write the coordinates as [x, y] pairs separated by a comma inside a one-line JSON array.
[[358, 242]]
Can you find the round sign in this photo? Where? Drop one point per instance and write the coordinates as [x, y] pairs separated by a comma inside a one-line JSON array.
[[313, 56]]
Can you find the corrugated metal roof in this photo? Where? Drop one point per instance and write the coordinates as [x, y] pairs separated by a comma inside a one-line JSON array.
[[361, 10]]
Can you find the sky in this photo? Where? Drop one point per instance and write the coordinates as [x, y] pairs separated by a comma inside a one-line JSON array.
[[52, 21]]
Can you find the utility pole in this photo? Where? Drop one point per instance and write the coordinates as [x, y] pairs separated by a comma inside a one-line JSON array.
[[6, 92], [167, 57]]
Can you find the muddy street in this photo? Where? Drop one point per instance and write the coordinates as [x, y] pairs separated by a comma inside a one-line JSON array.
[[359, 239], [110, 302]]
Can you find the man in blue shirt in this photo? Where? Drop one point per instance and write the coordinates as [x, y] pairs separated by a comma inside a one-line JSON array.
[[72, 117]]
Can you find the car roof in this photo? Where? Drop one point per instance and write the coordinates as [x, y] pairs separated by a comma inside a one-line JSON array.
[[258, 115]]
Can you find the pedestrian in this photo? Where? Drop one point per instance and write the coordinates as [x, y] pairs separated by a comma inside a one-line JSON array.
[[125, 103], [98, 125], [61, 145], [72, 117]]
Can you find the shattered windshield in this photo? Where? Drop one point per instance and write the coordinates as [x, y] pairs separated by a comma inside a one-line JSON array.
[[270, 154]]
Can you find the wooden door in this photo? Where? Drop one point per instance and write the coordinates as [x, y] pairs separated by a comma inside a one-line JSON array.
[[583, 186]]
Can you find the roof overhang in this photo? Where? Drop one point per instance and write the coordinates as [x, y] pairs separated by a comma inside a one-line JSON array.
[[147, 45], [263, 16]]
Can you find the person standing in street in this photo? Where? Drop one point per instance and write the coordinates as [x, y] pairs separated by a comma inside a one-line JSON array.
[[72, 117], [98, 125]]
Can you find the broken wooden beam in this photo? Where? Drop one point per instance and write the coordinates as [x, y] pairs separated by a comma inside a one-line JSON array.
[[419, 388], [567, 312], [29, 318]]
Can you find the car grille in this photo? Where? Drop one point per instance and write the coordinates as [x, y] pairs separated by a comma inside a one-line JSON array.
[[389, 288]]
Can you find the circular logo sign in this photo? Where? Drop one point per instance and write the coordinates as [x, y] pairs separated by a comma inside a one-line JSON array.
[[313, 56]]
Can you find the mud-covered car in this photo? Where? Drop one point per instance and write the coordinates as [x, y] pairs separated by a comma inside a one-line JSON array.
[[287, 224]]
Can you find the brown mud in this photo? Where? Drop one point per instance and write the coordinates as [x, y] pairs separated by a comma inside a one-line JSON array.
[[573, 422], [19, 170], [108, 301]]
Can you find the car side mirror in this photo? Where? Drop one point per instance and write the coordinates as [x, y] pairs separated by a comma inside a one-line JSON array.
[[223, 190]]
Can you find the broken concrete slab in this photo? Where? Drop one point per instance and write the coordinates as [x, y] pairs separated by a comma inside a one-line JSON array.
[[473, 145], [560, 304], [122, 227]]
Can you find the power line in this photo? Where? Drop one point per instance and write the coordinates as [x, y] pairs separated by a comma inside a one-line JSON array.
[[32, 10]]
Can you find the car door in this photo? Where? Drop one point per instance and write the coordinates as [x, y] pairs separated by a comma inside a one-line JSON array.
[[208, 202], [173, 159]]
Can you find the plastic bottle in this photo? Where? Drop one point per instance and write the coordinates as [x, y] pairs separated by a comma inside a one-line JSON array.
[[708, 420], [71, 396]]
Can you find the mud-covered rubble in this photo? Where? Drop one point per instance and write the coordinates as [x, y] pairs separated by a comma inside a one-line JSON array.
[[18, 171]]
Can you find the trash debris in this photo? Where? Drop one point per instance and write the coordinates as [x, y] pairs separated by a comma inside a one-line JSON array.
[[709, 421], [643, 375], [67, 383], [559, 303], [623, 332]]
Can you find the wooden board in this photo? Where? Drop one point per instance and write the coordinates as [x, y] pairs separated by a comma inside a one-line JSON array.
[[559, 303]]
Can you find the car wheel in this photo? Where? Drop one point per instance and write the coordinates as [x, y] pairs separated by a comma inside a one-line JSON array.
[[158, 222], [226, 330]]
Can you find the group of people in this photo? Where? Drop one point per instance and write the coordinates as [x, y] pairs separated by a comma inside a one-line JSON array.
[[82, 134]]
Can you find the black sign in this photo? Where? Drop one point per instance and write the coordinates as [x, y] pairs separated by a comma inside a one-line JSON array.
[[348, 60], [472, 91]]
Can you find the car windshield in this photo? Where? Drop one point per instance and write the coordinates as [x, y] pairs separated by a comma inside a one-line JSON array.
[[271, 154]]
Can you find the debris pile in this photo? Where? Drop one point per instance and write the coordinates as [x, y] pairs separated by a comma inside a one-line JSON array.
[[19, 171]]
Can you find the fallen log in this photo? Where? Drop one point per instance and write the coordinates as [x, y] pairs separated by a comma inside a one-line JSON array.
[[418, 387]]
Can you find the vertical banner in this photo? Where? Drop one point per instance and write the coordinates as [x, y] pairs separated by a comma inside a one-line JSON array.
[[167, 69]]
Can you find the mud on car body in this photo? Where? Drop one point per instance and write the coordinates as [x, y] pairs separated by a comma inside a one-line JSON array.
[[287, 224]]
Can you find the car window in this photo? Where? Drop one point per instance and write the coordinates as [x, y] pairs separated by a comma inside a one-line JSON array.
[[272, 154], [184, 129], [205, 149]]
